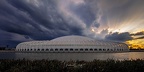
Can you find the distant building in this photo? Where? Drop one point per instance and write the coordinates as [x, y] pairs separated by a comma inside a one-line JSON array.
[[2, 48], [72, 44]]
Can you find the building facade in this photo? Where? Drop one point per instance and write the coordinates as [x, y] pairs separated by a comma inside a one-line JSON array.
[[72, 44]]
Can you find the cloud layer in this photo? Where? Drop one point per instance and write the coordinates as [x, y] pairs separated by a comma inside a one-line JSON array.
[[119, 36], [25, 20]]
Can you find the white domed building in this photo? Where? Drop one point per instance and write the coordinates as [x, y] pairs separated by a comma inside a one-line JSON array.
[[72, 44]]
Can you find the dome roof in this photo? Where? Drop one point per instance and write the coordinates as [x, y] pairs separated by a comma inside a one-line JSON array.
[[71, 44], [72, 38]]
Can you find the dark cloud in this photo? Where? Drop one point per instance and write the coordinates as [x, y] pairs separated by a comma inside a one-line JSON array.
[[138, 33], [85, 13], [6, 38], [142, 37], [26, 19], [119, 36], [96, 24]]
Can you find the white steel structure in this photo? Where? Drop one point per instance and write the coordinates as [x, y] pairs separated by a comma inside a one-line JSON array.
[[72, 44]]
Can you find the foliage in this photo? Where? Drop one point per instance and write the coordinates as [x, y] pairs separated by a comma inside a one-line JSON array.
[[7, 65]]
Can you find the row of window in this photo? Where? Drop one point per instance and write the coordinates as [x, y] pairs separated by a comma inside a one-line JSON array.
[[54, 47], [75, 45], [71, 49]]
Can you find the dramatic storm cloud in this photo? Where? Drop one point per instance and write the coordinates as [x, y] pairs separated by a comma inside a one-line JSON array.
[[119, 36], [26, 20]]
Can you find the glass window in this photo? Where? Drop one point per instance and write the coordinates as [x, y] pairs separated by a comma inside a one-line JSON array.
[[31, 49], [81, 49], [95, 49], [104, 49], [56, 49], [51, 49], [61, 49], [34, 49], [66, 49], [91, 49], [100, 49], [71, 49], [76, 49], [47, 49], [38, 49], [42, 49], [27, 49], [86, 49]]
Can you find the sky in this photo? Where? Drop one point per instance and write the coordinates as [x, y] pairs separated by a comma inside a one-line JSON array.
[[114, 20]]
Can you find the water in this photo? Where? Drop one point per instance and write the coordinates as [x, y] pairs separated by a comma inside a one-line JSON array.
[[73, 56]]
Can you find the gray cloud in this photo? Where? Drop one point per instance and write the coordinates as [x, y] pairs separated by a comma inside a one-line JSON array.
[[138, 33], [142, 37], [119, 36], [42, 19], [37, 22], [24, 20]]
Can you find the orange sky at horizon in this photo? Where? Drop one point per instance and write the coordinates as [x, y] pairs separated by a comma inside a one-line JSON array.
[[136, 44]]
